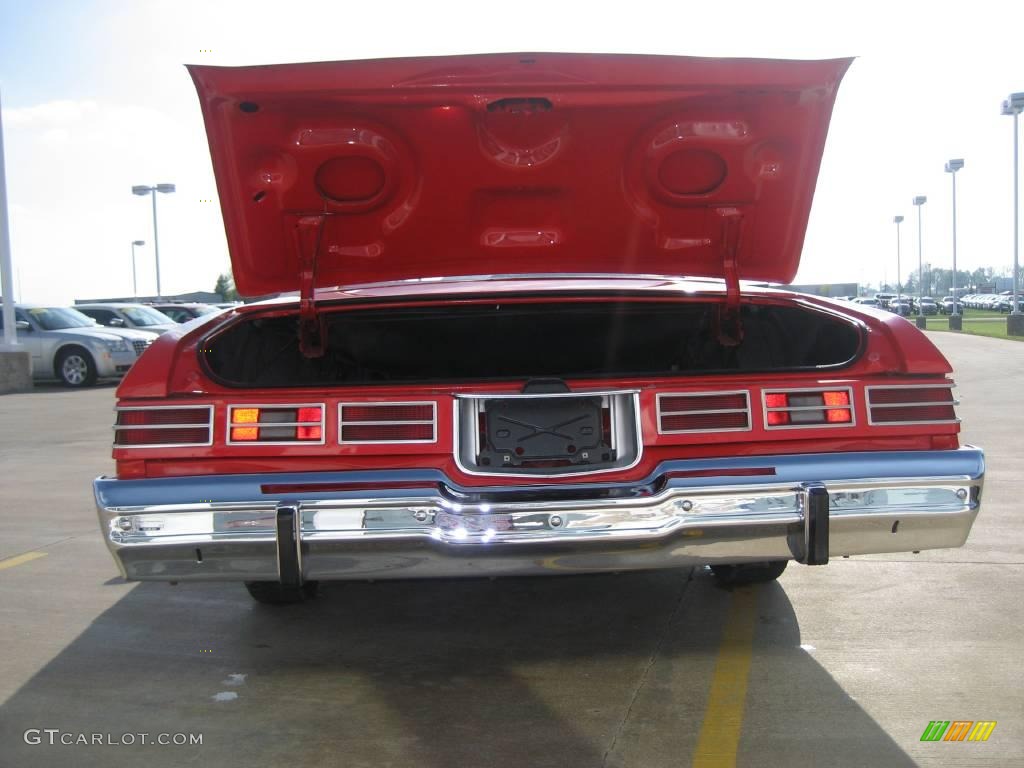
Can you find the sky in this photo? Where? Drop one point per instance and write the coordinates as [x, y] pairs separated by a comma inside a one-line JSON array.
[[96, 99]]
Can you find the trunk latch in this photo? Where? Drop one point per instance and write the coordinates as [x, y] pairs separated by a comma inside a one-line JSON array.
[[312, 327]]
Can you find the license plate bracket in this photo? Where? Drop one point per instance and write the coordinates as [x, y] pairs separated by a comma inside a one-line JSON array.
[[546, 432]]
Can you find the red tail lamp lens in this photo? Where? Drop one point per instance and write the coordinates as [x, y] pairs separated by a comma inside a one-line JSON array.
[[777, 418], [387, 433], [385, 412], [183, 436], [309, 415], [389, 423], [838, 415], [309, 431], [158, 426], [909, 405], [199, 416]]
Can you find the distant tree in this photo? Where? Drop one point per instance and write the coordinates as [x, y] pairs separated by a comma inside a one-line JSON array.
[[225, 287], [977, 278], [910, 286]]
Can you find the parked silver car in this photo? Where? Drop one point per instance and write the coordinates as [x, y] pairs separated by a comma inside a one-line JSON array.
[[901, 306], [946, 305], [67, 345], [185, 311], [125, 315]]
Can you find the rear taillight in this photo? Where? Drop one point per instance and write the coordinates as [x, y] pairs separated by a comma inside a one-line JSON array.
[[163, 426], [387, 422], [275, 424], [911, 404], [703, 412], [808, 408]]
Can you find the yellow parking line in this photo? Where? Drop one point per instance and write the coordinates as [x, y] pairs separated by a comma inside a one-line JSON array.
[[10, 562], [723, 719]]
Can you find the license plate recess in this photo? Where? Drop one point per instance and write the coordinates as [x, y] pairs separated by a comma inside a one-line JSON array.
[[541, 431]]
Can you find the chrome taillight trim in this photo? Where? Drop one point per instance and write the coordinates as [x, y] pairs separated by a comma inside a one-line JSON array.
[[765, 410], [659, 412], [281, 406], [208, 425], [387, 404], [953, 402]]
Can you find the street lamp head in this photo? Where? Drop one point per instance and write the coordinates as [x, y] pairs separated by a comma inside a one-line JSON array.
[[166, 188], [897, 219], [920, 200], [954, 165], [141, 189], [138, 242], [1014, 104]]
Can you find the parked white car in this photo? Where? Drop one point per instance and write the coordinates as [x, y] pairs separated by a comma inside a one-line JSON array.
[[124, 315]]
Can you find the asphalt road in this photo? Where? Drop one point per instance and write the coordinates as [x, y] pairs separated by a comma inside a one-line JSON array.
[[837, 666]]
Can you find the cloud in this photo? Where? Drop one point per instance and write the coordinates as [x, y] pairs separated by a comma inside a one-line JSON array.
[[51, 113], [70, 168]]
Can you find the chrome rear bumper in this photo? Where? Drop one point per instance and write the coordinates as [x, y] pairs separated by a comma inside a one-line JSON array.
[[417, 524]]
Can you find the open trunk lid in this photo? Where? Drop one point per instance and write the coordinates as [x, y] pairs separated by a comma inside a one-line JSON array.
[[365, 171]]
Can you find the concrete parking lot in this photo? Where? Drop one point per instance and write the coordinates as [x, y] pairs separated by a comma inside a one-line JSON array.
[[837, 666]]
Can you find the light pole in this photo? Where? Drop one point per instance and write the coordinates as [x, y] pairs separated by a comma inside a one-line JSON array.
[[142, 189], [897, 220], [1013, 105], [10, 334], [135, 285], [955, 323], [919, 201]]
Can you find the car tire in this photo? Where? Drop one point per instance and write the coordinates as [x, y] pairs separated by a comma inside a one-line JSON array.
[[748, 573], [75, 367], [275, 593]]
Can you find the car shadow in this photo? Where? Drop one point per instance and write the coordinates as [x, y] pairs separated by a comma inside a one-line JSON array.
[[576, 671]]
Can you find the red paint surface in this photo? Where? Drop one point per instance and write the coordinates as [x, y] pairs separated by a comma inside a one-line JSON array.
[[516, 163], [220, 462], [391, 485]]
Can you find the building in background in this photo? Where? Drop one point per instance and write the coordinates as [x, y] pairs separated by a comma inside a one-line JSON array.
[[200, 297], [827, 289]]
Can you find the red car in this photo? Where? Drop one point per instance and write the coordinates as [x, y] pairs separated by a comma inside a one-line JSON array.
[[519, 341]]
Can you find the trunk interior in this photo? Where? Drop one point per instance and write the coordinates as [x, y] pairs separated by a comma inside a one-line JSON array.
[[495, 340]]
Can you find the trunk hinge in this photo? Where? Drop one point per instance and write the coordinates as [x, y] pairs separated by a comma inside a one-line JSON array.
[[728, 326], [312, 327]]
